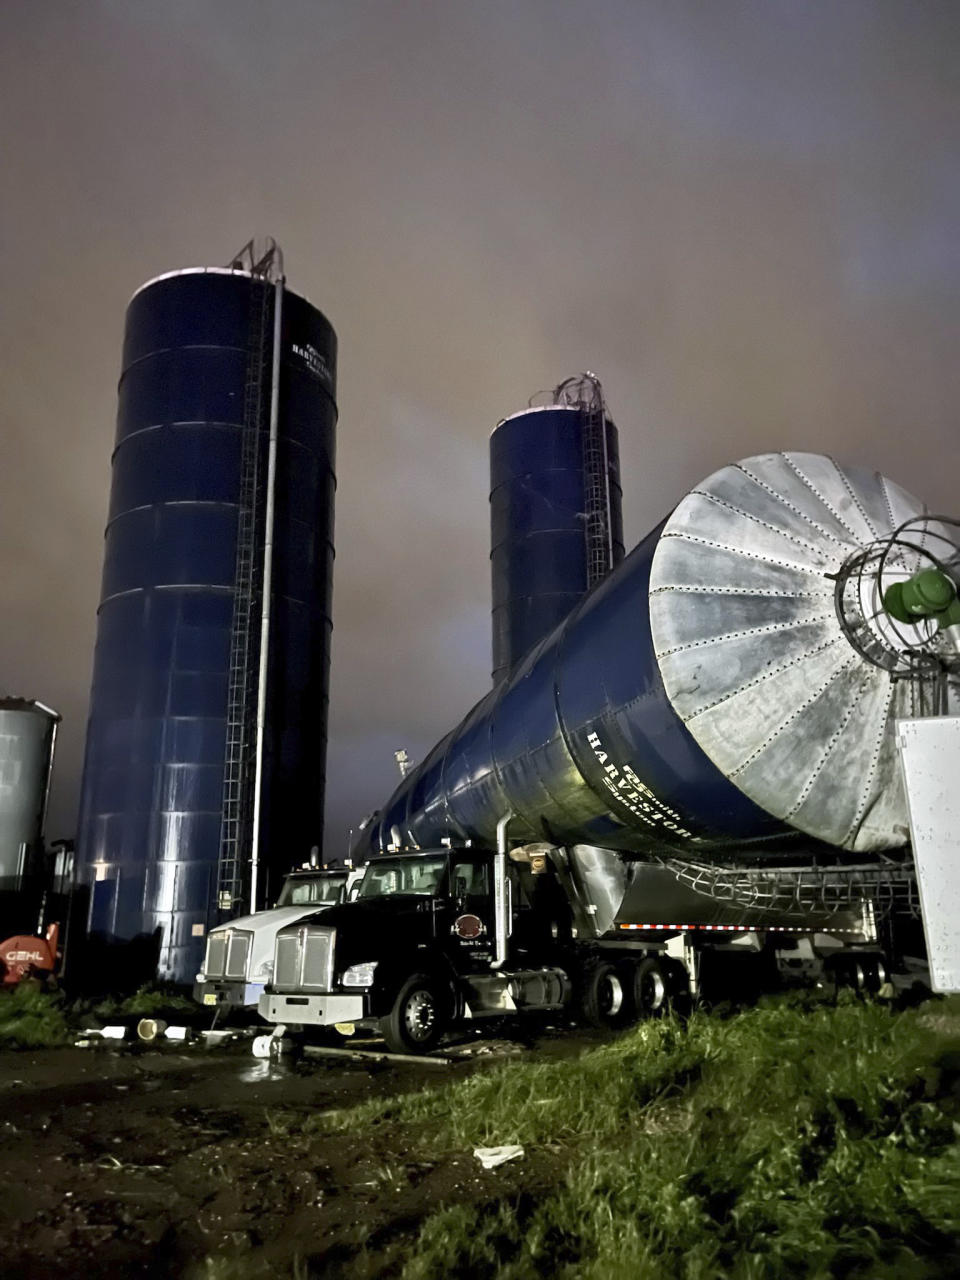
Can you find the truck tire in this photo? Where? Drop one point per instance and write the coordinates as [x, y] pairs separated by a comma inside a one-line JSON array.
[[864, 972], [419, 1016], [604, 996], [650, 993]]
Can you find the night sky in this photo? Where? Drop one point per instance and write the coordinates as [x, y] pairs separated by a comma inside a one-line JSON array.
[[742, 216]]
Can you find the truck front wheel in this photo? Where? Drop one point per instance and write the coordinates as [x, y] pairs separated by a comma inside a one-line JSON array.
[[418, 1018]]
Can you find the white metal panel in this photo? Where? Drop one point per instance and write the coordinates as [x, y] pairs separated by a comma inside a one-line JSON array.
[[754, 657], [930, 759]]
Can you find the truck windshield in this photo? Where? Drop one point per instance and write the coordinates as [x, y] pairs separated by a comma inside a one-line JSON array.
[[313, 889], [386, 876]]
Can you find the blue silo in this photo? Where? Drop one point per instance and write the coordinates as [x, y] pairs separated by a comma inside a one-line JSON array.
[[555, 515], [204, 768]]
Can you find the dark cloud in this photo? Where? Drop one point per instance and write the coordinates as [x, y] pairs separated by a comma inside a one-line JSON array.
[[742, 216]]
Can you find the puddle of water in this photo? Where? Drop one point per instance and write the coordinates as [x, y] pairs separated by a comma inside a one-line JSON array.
[[260, 1069]]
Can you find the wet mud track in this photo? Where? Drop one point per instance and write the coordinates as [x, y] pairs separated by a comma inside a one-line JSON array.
[[128, 1162]]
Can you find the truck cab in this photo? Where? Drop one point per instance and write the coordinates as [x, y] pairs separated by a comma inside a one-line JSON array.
[[419, 948], [239, 954]]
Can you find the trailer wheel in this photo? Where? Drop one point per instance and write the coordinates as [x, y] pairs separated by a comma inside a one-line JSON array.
[[418, 1018], [874, 972], [866, 973], [863, 972], [879, 977], [604, 996], [649, 989]]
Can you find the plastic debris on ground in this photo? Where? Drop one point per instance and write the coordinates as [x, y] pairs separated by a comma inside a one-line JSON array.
[[490, 1157], [151, 1028]]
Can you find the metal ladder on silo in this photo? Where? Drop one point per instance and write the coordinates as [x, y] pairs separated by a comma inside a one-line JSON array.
[[237, 803], [596, 481]]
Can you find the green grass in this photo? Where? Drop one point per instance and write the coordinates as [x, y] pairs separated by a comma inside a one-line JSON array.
[[792, 1139], [31, 1018], [784, 1140], [158, 998]]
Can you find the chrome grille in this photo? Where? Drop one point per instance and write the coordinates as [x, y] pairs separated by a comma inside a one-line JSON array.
[[317, 964], [238, 952], [286, 961], [303, 959], [215, 960]]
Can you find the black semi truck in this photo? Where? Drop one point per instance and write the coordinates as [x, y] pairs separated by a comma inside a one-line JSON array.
[[438, 937]]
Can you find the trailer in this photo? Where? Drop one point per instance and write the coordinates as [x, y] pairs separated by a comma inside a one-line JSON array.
[[701, 760]]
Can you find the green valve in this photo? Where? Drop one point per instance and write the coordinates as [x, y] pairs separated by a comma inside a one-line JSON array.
[[930, 593]]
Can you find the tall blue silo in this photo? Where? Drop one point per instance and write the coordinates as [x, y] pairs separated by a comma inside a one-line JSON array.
[[204, 769], [556, 519]]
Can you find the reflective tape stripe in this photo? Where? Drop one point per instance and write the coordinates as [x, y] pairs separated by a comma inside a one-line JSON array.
[[737, 928]]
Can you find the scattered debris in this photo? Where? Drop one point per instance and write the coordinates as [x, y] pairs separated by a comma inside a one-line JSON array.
[[111, 1162], [371, 1055], [490, 1157], [150, 1028], [215, 1037], [505, 1049]]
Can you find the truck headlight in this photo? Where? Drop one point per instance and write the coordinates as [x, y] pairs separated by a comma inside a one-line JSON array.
[[359, 975], [264, 971]]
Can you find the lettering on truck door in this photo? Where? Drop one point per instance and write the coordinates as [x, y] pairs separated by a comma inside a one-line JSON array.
[[471, 916]]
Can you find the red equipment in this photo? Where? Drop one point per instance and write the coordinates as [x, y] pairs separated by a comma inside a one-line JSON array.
[[24, 956]]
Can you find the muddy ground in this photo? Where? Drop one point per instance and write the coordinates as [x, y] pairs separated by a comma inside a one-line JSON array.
[[129, 1161]]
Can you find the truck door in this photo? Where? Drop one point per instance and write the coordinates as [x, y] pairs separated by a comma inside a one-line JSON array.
[[471, 917]]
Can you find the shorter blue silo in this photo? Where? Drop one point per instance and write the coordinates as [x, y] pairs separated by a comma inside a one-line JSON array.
[[555, 514]]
